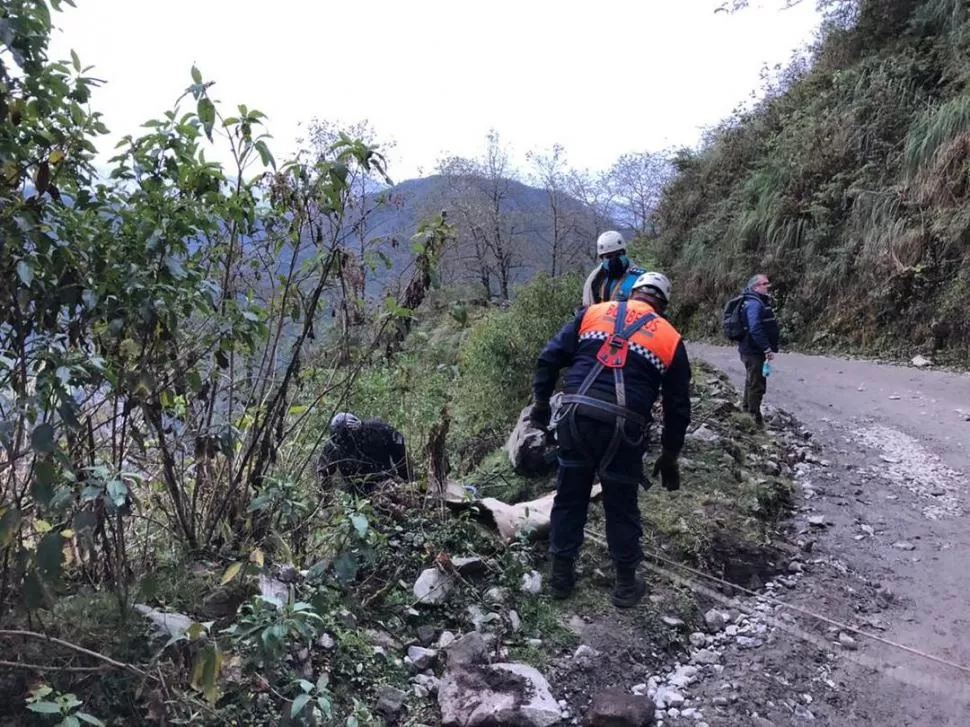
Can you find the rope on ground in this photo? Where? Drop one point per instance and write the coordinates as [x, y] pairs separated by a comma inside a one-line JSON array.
[[897, 671]]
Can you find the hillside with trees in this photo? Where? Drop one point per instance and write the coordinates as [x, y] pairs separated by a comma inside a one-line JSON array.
[[847, 184], [175, 336]]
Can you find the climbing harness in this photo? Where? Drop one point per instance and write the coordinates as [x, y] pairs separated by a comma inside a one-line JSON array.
[[613, 355]]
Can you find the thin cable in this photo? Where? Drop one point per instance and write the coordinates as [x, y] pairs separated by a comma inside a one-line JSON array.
[[714, 594]]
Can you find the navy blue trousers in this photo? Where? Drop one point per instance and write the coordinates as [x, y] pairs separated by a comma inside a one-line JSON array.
[[580, 453]]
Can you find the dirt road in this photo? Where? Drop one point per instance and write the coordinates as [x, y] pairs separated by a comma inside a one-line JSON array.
[[893, 487]]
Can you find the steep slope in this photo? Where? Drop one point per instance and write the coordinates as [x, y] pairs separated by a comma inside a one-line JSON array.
[[849, 188]]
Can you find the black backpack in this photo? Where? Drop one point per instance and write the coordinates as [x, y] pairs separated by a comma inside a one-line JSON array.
[[734, 322]]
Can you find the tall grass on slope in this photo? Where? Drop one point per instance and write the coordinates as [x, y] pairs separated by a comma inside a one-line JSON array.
[[932, 130]]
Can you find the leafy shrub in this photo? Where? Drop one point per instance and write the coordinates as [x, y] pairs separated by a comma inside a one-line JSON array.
[[498, 358]]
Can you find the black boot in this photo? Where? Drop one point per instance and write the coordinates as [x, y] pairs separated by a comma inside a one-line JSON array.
[[627, 589], [563, 577]]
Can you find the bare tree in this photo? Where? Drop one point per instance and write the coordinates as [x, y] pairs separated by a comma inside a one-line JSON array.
[[637, 181], [595, 196], [550, 173], [490, 229]]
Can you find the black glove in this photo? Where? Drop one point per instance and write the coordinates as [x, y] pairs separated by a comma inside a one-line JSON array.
[[669, 470], [541, 414]]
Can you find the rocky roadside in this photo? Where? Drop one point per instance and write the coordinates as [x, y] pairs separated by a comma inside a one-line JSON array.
[[740, 657]]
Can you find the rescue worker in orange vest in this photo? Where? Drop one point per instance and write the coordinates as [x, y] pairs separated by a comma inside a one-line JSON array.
[[620, 356]]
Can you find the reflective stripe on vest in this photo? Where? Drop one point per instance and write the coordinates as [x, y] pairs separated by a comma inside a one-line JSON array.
[[656, 341]]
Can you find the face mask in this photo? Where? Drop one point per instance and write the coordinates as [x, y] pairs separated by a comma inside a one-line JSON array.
[[615, 266]]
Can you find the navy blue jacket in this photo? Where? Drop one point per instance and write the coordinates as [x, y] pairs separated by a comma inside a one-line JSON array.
[[762, 327], [646, 375]]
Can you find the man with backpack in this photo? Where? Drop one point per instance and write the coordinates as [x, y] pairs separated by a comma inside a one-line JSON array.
[[618, 356], [750, 320]]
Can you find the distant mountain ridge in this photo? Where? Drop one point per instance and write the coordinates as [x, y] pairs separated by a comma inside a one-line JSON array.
[[392, 215]]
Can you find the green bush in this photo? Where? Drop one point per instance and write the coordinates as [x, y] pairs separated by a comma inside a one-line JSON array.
[[498, 358]]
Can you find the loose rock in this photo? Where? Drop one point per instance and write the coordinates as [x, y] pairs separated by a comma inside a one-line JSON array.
[[706, 657], [426, 634], [532, 583], [513, 694], [715, 620], [390, 702], [847, 642], [698, 640], [469, 649], [422, 658], [433, 586]]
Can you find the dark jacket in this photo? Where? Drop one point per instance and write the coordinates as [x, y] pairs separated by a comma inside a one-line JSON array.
[[657, 362], [762, 327], [373, 451]]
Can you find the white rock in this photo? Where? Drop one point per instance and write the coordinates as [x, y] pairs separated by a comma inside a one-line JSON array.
[[525, 697], [496, 594], [672, 622], [433, 586], [532, 583], [668, 697]]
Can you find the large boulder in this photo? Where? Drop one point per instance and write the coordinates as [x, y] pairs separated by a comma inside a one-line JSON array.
[[516, 695]]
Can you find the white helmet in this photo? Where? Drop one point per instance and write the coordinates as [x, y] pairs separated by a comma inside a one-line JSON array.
[[608, 242], [345, 419], [658, 282]]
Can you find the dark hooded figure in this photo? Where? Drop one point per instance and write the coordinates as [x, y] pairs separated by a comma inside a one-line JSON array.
[[364, 452]]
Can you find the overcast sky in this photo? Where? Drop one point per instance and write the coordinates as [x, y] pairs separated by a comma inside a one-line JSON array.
[[601, 77]]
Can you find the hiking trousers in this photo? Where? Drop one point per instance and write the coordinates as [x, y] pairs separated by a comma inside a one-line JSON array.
[[580, 453], [755, 384]]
